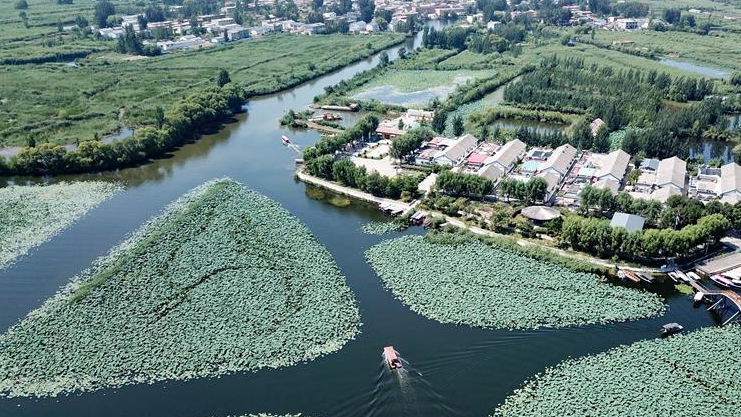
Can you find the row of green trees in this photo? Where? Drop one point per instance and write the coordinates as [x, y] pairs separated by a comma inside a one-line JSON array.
[[462, 184], [345, 172], [622, 98], [185, 120], [534, 190], [677, 212], [596, 236], [328, 145]]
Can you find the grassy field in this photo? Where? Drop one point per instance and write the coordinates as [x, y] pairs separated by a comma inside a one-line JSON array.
[[721, 50], [62, 104]]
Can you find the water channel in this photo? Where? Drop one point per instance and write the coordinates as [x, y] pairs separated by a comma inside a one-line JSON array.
[[453, 370]]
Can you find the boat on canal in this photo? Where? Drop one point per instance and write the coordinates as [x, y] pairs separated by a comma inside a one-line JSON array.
[[392, 360], [671, 328]]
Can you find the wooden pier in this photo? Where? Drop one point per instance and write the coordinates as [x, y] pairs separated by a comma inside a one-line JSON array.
[[726, 303]]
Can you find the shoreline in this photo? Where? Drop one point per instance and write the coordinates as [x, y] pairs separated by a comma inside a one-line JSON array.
[[409, 207]]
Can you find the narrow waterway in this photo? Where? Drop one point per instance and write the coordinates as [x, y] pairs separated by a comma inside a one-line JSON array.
[[452, 370]]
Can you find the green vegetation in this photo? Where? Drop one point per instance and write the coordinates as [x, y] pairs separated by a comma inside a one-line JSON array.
[[320, 162], [382, 228], [673, 380], [413, 88], [720, 51], [64, 104], [462, 184], [623, 98], [31, 215], [185, 121], [462, 280], [224, 280]]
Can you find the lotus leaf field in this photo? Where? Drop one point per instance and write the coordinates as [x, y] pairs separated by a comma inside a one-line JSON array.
[[224, 280], [382, 228], [483, 285], [31, 215], [682, 376]]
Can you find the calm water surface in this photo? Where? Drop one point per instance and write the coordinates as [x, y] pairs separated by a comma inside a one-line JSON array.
[[452, 370]]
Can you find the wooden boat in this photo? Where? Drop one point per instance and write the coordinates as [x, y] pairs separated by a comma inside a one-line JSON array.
[[671, 328], [646, 277], [392, 360], [632, 276]]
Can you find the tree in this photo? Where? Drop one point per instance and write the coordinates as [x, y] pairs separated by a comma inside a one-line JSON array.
[[457, 125], [366, 8], [441, 116], [501, 217], [20, 5], [672, 16], [536, 189], [317, 4], [103, 9], [81, 22], [159, 117], [223, 78], [383, 59]]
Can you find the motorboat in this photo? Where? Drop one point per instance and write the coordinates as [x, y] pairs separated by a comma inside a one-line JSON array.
[[721, 281], [285, 140], [671, 328], [392, 360]]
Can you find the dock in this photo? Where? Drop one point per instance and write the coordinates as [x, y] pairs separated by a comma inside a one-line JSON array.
[[726, 303]]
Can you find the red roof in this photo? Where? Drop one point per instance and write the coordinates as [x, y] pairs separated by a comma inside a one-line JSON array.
[[477, 158]]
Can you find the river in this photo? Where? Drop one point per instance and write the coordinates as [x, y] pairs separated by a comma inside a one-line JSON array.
[[452, 370]]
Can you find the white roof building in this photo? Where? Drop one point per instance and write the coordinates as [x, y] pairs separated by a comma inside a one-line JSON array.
[[629, 222], [560, 160], [508, 154], [672, 172], [456, 150], [730, 183]]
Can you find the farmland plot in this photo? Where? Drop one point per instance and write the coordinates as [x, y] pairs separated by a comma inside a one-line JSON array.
[[480, 285], [682, 376], [31, 215], [224, 280]]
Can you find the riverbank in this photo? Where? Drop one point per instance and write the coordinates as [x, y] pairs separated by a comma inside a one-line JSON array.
[[607, 266], [351, 192]]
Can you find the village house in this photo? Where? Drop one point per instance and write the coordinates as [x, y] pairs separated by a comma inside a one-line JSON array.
[[668, 179]]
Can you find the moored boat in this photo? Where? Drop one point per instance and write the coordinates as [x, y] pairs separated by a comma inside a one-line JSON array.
[[721, 281], [392, 360], [671, 328], [632, 276]]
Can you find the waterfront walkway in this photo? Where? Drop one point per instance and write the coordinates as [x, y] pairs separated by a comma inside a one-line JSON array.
[[352, 192]]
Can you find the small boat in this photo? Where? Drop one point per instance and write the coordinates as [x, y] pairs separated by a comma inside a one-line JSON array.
[[671, 328], [721, 280], [285, 140], [392, 360], [698, 297], [646, 277], [694, 276], [631, 276]]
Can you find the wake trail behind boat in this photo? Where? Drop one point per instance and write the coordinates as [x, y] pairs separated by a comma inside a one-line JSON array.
[[405, 392]]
